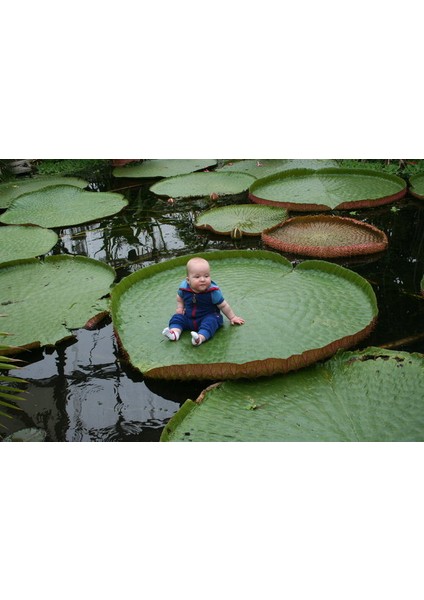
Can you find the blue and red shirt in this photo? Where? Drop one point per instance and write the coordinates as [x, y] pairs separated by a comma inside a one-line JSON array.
[[199, 304]]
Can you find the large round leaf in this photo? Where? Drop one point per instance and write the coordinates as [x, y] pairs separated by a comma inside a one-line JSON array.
[[370, 396], [203, 184], [293, 316], [42, 301], [164, 167], [25, 241], [12, 189], [263, 167], [417, 185], [245, 219], [61, 206], [325, 236], [325, 189]]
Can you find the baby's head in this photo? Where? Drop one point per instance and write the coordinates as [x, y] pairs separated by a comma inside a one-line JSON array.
[[198, 274]]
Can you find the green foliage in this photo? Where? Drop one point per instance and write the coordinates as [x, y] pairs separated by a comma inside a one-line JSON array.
[[8, 393], [396, 166], [72, 166]]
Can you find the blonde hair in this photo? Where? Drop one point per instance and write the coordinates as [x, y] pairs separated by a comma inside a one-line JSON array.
[[193, 261]]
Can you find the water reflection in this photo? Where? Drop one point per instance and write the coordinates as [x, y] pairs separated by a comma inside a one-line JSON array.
[[84, 390]]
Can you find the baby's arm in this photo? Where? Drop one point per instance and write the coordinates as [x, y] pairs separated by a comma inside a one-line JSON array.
[[180, 306], [229, 313]]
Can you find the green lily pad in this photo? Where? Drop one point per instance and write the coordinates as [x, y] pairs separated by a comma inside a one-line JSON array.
[[164, 167], [264, 167], [61, 206], [241, 219], [25, 241], [12, 189], [43, 301], [203, 184], [293, 316], [365, 396], [325, 236], [325, 189], [417, 185]]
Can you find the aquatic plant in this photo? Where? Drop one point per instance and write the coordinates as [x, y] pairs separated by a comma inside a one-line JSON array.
[[294, 316], [372, 395]]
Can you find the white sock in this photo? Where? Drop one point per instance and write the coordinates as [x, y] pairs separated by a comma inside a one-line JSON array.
[[196, 340], [171, 334]]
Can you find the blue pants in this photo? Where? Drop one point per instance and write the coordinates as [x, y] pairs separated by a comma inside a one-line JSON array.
[[206, 325]]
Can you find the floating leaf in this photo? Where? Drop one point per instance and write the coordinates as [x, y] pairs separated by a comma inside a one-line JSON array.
[[164, 167], [372, 395], [293, 316], [325, 236], [265, 166], [325, 189], [12, 189], [417, 185], [42, 301], [203, 184], [25, 241], [61, 206], [245, 218]]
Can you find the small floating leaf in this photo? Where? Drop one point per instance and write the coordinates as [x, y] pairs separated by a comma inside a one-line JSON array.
[[203, 184], [12, 189], [248, 219], [265, 166], [164, 167], [25, 241], [61, 206]]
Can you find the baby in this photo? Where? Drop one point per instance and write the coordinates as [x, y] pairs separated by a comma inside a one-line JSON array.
[[199, 305]]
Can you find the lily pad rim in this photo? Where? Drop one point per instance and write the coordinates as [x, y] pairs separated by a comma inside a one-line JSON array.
[[346, 205], [327, 251]]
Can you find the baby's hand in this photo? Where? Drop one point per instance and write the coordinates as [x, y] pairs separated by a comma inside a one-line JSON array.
[[237, 320]]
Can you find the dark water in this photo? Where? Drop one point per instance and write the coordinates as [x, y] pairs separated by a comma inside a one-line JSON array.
[[84, 390]]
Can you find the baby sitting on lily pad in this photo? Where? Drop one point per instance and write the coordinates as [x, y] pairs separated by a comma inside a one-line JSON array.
[[199, 305]]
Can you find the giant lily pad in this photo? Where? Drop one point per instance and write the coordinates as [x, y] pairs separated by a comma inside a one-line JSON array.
[[325, 236], [241, 219], [264, 167], [12, 189], [293, 316], [203, 184], [325, 189], [372, 395], [417, 185], [43, 301], [164, 167], [25, 241], [61, 206]]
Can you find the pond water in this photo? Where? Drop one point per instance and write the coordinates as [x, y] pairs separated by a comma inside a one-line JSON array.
[[84, 390]]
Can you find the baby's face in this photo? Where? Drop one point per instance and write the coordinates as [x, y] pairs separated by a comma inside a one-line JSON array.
[[199, 277]]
